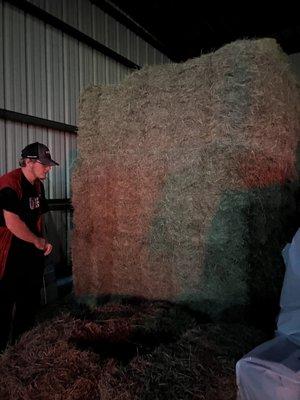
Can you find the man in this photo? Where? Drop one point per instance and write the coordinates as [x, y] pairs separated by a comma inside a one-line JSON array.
[[22, 245]]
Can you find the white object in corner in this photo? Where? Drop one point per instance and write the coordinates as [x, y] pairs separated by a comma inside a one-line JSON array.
[[272, 370]]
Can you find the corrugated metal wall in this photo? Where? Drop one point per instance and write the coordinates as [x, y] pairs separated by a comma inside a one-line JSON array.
[[91, 20], [42, 71]]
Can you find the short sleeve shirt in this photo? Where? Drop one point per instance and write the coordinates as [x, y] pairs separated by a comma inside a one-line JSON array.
[[29, 208]]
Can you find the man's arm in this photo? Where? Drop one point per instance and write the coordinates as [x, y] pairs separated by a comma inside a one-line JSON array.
[[40, 225], [21, 231]]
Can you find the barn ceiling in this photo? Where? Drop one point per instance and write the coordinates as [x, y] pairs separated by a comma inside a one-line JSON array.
[[185, 29]]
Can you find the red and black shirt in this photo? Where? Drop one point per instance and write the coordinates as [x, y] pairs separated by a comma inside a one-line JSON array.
[[26, 200]]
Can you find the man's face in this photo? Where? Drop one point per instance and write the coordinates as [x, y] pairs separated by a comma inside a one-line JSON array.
[[38, 170]]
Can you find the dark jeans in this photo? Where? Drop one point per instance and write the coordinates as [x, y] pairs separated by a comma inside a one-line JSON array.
[[20, 295]]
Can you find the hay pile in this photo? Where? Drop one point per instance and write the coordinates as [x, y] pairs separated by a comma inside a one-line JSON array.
[[184, 184], [73, 357]]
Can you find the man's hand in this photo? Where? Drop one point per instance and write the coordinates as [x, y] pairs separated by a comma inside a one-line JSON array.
[[19, 229], [42, 244], [48, 248]]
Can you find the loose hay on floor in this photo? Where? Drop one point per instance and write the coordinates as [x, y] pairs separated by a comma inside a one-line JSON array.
[[184, 184], [198, 363]]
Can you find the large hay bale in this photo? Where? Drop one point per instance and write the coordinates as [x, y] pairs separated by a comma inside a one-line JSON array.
[[183, 184]]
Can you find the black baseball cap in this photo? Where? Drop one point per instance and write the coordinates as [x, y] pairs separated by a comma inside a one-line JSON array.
[[38, 151]]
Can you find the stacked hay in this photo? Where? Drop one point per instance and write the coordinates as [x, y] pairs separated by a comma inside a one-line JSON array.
[[180, 191]]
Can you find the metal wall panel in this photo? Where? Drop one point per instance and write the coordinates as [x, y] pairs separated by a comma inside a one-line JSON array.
[[165, 59], [111, 41], [132, 46], [54, 7], [158, 57], [71, 78], [1, 59], [36, 68], [14, 59], [37, 134], [16, 139], [100, 61], [128, 44], [71, 154], [123, 72], [142, 52], [85, 11], [86, 75], [92, 21], [70, 12], [151, 55], [63, 150], [55, 74], [99, 24], [2, 147], [112, 72], [57, 175], [99, 68], [111, 33], [123, 39]]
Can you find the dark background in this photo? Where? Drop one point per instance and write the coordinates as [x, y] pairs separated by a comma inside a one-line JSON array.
[[186, 29]]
